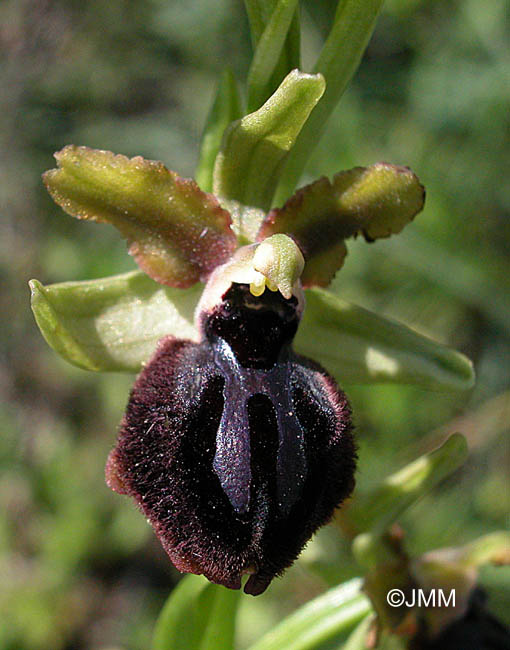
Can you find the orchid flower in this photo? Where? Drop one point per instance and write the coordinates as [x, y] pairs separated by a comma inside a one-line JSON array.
[[237, 440]]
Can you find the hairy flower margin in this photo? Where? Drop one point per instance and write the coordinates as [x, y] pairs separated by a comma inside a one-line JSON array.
[[235, 444]]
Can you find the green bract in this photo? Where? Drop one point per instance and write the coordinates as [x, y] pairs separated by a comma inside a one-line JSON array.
[[225, 109], [270, 18], [268, 51]]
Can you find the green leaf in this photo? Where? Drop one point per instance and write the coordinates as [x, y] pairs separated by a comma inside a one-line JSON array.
[[113, 323], [375, 510], [268, 51], [225, 109], [377, 201], [358, 346], [253, 150], [197, 616], [358, 638], [260, 13], [323, 618], [352, 27], [176, 233]]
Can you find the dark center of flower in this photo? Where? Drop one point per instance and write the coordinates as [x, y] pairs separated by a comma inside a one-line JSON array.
[[251, 338], [256, 328]]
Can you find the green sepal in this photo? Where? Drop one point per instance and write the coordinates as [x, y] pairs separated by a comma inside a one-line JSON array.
[[322, 619], [358, 346], [176, 233], [112, 324], [377, 509], [225, 109], [254, 148], [375, 201], [268, 51], [198, 615]]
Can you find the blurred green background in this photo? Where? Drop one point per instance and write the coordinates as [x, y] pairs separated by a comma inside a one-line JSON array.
[[79, 567]]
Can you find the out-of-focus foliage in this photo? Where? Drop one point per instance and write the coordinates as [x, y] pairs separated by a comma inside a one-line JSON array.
[[79, 567]]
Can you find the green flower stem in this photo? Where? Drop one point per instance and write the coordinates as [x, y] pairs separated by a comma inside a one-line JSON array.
[[353, 25], [268, 51], [335, 612], [225, 109]]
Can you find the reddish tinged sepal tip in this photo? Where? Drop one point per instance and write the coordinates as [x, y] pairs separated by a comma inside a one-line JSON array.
[[235, 448]]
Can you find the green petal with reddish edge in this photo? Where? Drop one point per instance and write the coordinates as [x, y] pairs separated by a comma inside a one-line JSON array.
[[254, 148], [358, 346], [176, 233], [376, 201], [113, 323]]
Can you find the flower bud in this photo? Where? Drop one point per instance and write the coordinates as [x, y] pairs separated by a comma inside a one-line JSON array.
[[235, 448]]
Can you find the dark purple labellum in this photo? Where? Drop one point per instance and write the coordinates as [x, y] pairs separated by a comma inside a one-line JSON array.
[[236, 448]]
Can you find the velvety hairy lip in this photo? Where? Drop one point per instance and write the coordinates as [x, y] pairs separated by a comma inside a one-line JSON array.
[[235, 448]]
